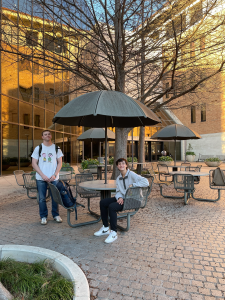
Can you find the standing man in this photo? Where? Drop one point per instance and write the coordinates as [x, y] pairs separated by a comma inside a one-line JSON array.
[[110, 206], [47, 162]]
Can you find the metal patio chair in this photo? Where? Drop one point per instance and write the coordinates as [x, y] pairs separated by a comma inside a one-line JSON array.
[[30, 184], [84, 193], [164, 173], [184, 183], [194, 169], [19, 177], [135, 198], [216, 182]]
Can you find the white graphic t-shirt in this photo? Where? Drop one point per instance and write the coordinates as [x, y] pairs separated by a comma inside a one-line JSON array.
[[47, 162]]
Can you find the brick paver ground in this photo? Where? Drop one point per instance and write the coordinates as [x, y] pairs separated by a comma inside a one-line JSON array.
[[172, 251]]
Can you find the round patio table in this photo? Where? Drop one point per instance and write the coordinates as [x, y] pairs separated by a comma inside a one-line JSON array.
[[65, 175], [100, 185]]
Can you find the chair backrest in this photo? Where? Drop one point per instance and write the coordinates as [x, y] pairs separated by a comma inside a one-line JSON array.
[[186, 164], [19, 177], [163, 168], [217, 179], [29, 181], [56, 194], [193, 169], [152, 173], [184, 182], [136, 197], [82, 178]]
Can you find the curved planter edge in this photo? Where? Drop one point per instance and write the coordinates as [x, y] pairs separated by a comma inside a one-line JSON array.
[[61, 263]]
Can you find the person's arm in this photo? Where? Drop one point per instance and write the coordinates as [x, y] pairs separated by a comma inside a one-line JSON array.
[[118, 196], [59, 166], [38, 170]]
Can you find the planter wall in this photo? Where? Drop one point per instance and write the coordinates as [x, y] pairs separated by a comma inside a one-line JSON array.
[[168, 163], [61, 263]]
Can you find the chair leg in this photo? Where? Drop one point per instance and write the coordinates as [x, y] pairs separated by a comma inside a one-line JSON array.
[[92, 212], [165, 196], [207, 200], [28, 190], [79, 224], [128, 215]]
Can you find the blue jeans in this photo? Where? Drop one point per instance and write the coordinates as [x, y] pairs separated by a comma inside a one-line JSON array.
[[42, 190]]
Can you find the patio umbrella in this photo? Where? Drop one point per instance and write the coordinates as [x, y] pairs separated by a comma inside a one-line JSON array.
[[105, 109], [97, 134], [176, 132]]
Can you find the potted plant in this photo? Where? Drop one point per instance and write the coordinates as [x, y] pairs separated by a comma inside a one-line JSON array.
[[213, 162], [5, 163], [167, 160], [24, 162], [13, 161], [190, 155], [89, 163]]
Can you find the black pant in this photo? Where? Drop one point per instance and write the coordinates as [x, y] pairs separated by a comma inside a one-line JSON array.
[[110, 206]]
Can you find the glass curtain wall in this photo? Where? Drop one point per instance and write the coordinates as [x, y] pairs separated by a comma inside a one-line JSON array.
[[32, 89]]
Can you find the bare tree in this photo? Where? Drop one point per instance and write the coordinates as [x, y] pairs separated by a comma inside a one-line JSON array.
[[154, 51]]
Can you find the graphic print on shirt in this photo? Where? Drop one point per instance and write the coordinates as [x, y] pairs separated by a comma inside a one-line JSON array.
[[49, 157], [44, 157]]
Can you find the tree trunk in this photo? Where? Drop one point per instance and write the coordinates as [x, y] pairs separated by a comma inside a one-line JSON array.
[[120, 148], [141, 146]]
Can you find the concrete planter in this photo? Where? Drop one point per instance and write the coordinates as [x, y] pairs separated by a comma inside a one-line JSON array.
[[168, 163], [190, 158], [213, 163], [65, 266]]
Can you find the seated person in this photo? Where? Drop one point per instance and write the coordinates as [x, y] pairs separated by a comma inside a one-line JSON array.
[[111, 206]]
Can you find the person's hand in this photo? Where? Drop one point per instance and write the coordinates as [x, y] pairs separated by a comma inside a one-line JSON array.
[[52, 178], [120, 201], [45, 178], [131, 185]]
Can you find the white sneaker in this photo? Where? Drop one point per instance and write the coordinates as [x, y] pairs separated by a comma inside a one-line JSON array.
[[112, 237], [43, 221], [58, 219], [103, 231]]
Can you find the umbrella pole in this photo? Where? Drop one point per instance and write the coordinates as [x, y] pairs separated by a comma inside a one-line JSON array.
[[175, 153], [99, 150], [105, 152]]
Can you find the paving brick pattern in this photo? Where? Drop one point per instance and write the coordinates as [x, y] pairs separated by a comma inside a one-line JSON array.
[[172, 251]]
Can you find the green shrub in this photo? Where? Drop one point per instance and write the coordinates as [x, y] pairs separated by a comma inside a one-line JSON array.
[[24, 159], [86, 163], [6, 161], [216, 159], [129, 159], [13, 159], [190, 153], [165, 158], [111, 160], [34, 281]]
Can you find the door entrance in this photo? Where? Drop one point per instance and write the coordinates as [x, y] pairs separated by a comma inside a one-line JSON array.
[[155, 150]]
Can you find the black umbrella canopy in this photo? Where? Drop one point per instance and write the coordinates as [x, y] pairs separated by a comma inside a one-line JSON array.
[[176, 132], [105, 108], [97, 134]]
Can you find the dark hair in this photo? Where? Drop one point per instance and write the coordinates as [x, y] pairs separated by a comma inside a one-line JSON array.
[[120, 160], [45, 131]]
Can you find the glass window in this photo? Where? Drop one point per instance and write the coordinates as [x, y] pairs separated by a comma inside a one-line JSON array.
[[193, 114], [9, 109], [31, 38], [67, 145], [203, 112], [49, 117], [59, 140], [76, 150], [167, 86], [39, 112], [37, 137], [26, 148], [9, 148], [36, 94], [25, 114]]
